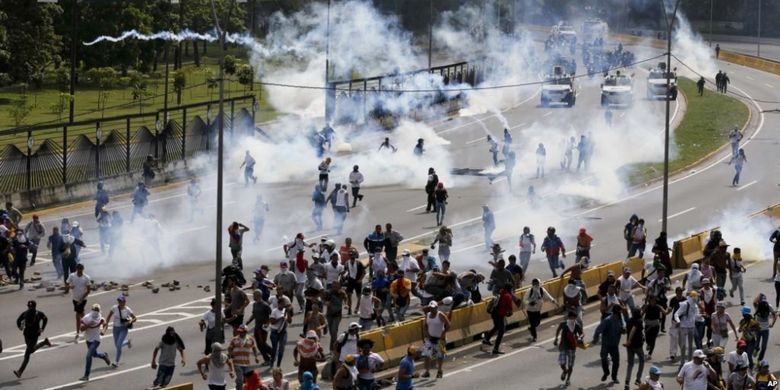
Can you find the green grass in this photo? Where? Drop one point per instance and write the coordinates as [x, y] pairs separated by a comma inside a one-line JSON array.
[[703, 129]]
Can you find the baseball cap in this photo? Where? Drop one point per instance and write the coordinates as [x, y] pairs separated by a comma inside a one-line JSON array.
[[283, 264], [406, 252], [433, 305], [764, 363], [349, 359], [35, 216], [746, 310], [741, 343], [655, 370], [742, 366], [693, 294], [722, 243], [354, 326], [699, 354], [121, 298], [610, 273], [258, 270]]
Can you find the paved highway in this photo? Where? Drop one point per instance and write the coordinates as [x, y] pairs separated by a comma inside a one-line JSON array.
[[697, 199]]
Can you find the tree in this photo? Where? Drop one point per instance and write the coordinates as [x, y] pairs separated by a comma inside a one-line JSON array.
[[104, 78], [19, 110], [61, 104], [179, 81], [246, 77], [140, 91], [211, 81], [230, 64], [32, 41]]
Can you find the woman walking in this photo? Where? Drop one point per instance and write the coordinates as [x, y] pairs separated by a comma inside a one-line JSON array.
[[440, 196], [217, 363], [739, 161], [123, 320], [444, 238]]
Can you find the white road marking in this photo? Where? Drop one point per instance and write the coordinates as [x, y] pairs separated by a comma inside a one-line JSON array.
[[769, 85], [416, 208], [747, 185], [679, 214], [520, 125], [476, 140], [547, 113], [748, 77], [152, 320], [94, 378]]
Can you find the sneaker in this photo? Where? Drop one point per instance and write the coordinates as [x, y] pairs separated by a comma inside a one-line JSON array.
[[439, 374], [487, 342], [497, 352], [114, 365], [615, 380], [76, 339], [129, 343], [46, 342], [18, 374], [563, 375], [107, 360], [604, 377], [84, 378], [731, 293]]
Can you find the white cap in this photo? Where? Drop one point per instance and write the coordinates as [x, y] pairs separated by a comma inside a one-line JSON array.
[[699, 354], [433, 305]]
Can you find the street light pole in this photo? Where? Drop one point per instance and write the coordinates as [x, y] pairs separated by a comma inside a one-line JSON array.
[[669, 26], [430, 33], [712, 2], [327, 45], [73, 48], [758, 41]]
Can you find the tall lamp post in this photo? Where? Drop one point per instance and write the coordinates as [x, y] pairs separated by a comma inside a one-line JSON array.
[[758, 41], [712, 5], [430, 33], [669, 27]]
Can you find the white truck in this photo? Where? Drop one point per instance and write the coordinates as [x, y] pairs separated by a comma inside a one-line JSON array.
[[617, 90], [558, 88], [656, 83]]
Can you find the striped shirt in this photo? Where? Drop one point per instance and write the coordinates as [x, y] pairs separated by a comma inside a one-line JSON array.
[[240, 348]]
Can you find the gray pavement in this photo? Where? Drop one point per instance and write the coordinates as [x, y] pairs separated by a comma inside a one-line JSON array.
[[697, 199]]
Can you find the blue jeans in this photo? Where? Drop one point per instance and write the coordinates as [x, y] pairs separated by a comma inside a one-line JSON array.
[[489, 237], [164, 375], [441, 208], [525, 260], [56, 259], [278, 342], [92, 352], [553, 261], [700, 329], [120, 335], [735, 181]]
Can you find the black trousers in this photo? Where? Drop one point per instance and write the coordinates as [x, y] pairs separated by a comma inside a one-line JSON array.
[[610, 352], [534, 319], [32, 345], [499, 327]]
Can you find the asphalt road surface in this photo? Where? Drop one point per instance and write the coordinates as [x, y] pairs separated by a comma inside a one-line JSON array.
[[697, 198]]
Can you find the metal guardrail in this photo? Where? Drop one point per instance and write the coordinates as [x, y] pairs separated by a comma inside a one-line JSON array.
[[116, 145]]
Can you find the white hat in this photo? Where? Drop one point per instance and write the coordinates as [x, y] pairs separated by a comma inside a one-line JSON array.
[[75, 224], [433, 305], [406, 252], [354, 326], [699, 354]]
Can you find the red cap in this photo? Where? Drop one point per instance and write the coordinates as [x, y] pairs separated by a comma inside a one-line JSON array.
[[35, 216], [741, 343]]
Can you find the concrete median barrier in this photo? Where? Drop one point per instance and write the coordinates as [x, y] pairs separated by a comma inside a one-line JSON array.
[[398, 337], [183, 386]]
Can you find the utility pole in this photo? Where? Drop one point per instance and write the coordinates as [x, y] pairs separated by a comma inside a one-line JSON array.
[[712, 5], [669, 27], [327, 46], [758, 41], [73, 48], [430, 34]]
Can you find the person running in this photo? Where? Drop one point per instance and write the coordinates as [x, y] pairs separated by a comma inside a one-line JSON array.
[[367, 364], [625, 284], [236, 232], [652, 313], [20, 246], [736, 270], [124, 318], [392, 239], [207, 323], [766, 316], [739, 162], [249, 168], [700, 86], [774, 238], [406, 372], [444, 239], [765, 380], [500, 309], [430, 188], [101, 198], [168, 345], [261, 315], [527, 243], [740, 379], [259, 214], [638, 240], [634, 342], [749, 329], [584, 242], [216, 363], [307, 353], [695, 374], [54, 244], [611, 328], [419, 148], [340, 208], [80, 283], [355, 272], [720, 323], [435, 329], [93, 325], [386, 144], [334, 298], [534, 299], [34, 231], [278, 326], [355, 181], [735, 136], [140, 199], [489, 226], [541, 155], [32, 323], [493, 149], [324, 169], [239, 350], [685, 318], [441, 196], [570, 333], [277, 380], [553, 247], [193, 193]]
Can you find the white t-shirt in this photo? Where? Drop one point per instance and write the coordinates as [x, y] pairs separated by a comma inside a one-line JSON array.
[[735, 358], [410, 268], [332, 273], [275, 315], [216, 374], [378, 263], [209, 318], [355, 179], [653, 384], [365, 307], [525, 243], [625, 287], [93, 321], [341, 198], [374, 361], [691, 381], [694, 280], [126, 313], [78, 285]]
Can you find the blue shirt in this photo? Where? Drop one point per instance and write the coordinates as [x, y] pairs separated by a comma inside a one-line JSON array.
[[56, 243], [407, 366]]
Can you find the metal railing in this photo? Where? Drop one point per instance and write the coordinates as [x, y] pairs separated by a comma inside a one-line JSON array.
[[96, 148]]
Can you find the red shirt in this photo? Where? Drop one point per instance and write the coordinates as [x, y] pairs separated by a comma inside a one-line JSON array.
[[504, 303]]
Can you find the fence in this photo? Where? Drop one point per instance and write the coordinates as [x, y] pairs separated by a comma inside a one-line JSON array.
[[357, 99], [80, 151]]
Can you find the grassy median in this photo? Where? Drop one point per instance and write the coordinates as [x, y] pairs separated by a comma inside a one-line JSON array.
[[703, 129]]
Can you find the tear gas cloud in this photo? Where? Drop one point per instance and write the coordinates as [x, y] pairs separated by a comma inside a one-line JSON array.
[[363, 42]]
